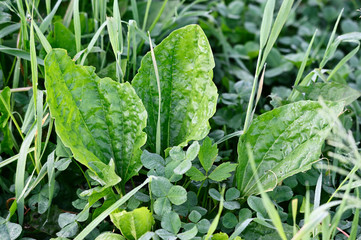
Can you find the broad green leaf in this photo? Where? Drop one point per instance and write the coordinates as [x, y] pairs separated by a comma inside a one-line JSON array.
[[189, 96], [62, 37], [162, 206], [332, 91], [171, 222], [133, 224], [232, 194], [98, 119], [284, 141], [160, 186], [110, 236], [220, 236], [177, 195], [207, 154], [194, 216], [9, 230], [195, 174], [229, 220], [222, 172]]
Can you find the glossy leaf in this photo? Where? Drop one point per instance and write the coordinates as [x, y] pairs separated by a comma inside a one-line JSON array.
[[110, 236], [189, 96], [98, 119], [284, 141], [133, 224], [332, 91]]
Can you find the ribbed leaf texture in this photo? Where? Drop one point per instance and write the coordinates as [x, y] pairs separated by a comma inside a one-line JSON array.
[[98, 119], [189, 96]]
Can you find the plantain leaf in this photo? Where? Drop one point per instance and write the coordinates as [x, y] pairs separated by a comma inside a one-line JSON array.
[[133, 224], [284, 141], [332, 91], [98, 119], [188, 94]]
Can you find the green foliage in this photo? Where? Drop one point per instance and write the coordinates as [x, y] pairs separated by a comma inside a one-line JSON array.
[[165, 141], [188, 93], [284, 141], [100, 120], [133, 224]]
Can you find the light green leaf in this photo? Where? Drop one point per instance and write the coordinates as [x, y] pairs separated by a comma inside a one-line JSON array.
[[332, 91], [207, 154], [98, 119], [192, 151], [223, 171], [110, 236], [220, 236], [190, 234], [183, 167], [189, 96], [9, 230], [133, 224], [160, 186], [195, 174], [162, 206], [177, 195], [284, 141]]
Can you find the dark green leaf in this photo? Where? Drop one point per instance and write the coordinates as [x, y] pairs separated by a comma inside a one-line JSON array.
[[62, 37], [194, 216], [189, 96], [284, 141], [98, 119], [229, 220], [232, 194]]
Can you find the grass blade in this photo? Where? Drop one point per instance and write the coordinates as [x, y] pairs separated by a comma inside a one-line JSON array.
[[158, 138], [9, 29], [215, 221], [13, 158], [109, 210], [332, 37], [267, 20], [42, 38], [47, 21], [271, 210], [20, 172], [77, 27], [149, 2], [276, 29], [295, 94]]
